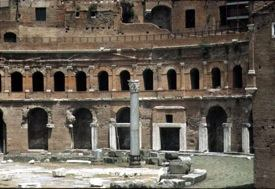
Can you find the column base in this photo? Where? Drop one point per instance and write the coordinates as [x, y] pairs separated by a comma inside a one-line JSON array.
[[134, 161]]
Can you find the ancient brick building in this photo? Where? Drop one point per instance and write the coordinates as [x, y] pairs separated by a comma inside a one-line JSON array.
[[65, 66]]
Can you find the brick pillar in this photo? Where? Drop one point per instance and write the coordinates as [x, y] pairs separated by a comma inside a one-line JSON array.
[[114, 79], [7, 80], [27, 80], [49, 80], [226, 75], [182, 76], [159, 77], [205, 75], [70, 79], [92, 85]]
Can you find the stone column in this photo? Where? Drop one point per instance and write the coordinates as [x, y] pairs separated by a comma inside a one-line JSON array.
[[112, 134], [94, 135], [134, 126], [227, 137], [245, 138], [203, 135], [70, 80]]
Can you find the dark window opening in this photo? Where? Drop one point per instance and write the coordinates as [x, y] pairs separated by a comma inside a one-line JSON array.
[[10, 37], [237, 77], [103, 81], [16, 82], [170, 139], [124, 77], [123, 139], [190, 19], [172, 79], [37, 82], [123, 115], [195, 78], [77, 14], [223, 16], [37, 129], [92, 11], [127, 12], [59, 81], [82, 129], [169, 118], [2, 134], [161, 16], [215, 118], [40, 14], [81, 81], [148, 79], [216, 78]]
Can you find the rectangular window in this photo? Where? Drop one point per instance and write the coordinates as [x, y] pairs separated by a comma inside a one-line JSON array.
[[223, 15], [40, 14], [169, 118], [190, 18]]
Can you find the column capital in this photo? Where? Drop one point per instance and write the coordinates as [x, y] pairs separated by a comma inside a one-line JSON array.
[[251, 27], [134, 86], [225, 62], [27, 67], [247, 125], [48, 67], [203, 122], [69, 67], [113, 65], [91, 67], [6, 67], [159, 65], [204, 63], [182, 64], [227, 125]]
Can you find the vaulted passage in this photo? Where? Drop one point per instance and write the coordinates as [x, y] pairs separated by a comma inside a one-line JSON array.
[[148, 79], [170, 139], [172, 79], [37, 82], [37, 130], [10, 37], [195, 78], [237, 77], [59, 81], [161, 16], [16, 82], [123, 133], [216, 78], [2, 134], [215, 118], [124, 77], [82, 129], [81, 81], [103, 81]]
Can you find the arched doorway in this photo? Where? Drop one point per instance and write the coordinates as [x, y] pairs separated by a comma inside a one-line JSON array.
[[2, 134], [37, 130], [82, 129], [215, 118], [123, 133]]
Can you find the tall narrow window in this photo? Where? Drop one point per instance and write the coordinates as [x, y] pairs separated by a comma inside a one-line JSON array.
[[148, 79], [223, 19], [237, 77], [124, 77], [169, 118], [81, 81], [59, 81], [16, 82], [190, 18], [216, 78], [172, 79], [40, 14], [37, 82], [195, 78], [103, 81]]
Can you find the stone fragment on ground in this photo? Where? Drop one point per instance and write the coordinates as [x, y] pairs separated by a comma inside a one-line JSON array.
[[172, 183], [178, 167], [79, 161], [29, 185], [10, 161], [195, 176], [31, 161], [5, 177], [61, 172], [98, 182]]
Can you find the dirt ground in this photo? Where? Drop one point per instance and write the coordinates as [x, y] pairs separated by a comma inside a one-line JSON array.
[[222, 172]]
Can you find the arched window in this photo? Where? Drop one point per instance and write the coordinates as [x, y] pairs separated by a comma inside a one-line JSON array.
[[237, 77], [103, 81], [37, 82], [59, 81], [10, 37], [161, 16], [172, 79], [81, 81], [148, 79], [195, 78], [124, 77], [16, 82], [216, 78]]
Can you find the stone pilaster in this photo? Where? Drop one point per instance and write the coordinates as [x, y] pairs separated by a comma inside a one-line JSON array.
[[49, 79], [70, 80], [182, 72], [92, 83], [245, 138], [227, 137], [7, 78], [205, 75], [27, 80], [113, 81], [203, 135], [134, 120], [226, 75], [159, 77]]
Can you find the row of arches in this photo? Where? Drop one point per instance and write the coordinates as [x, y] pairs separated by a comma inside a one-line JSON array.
[[216, 77]]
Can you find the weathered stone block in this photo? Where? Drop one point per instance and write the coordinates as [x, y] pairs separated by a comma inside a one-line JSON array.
[[171, 156], [59, 172], [29, 185], [172, 183], [196, 176], [178, 167]]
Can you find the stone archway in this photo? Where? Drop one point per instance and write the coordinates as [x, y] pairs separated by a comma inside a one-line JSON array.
[[37, 129], [82, 129], [2, 134], [215, 118]]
